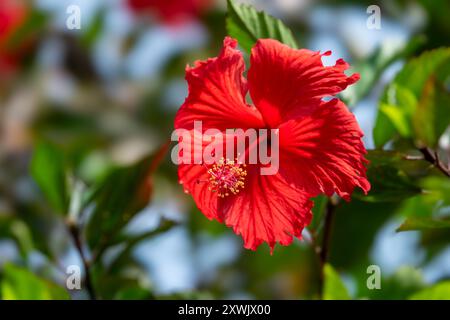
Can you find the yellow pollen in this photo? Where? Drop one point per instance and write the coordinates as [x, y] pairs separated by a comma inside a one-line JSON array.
[[227, 177]]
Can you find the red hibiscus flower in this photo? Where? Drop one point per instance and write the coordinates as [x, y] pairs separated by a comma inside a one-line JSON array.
[[170, 10], [320, 147], [12, 16]]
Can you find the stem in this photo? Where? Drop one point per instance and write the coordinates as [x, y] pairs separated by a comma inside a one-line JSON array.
[[433, 157], [323, 250], [75, 233]]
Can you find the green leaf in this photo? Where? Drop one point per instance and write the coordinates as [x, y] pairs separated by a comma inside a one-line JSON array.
[[20, 284], [94, 30], [423, 223], [334, 288], [383, 130], [36, 21], [438, 189], [131, 241], [416, 72], [49, 171], [431, 205], [405, 281], [122, 194], [400, 116], [372, 68], [432, 116], [19, 231], [414, 105], [367, 218], [392, 176], [320, 206], [440, 291], [247, 25]]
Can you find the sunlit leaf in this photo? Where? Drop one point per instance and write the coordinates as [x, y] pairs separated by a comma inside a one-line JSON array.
[[247, 25], [334, 288], [431, 205], [405, 281], [424, 223], [383, 130], [372, 67], [432, 116], [440, 291], [20, 284], [412, 95]]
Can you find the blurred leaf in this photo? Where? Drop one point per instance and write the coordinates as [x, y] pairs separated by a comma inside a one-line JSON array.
[[405, 281], [440, 291], [383, 130], [320, 205], [437, 28], [432, 116], [131, 241], [416, 223], [122, 194], [35, 21], [416, 72], [286, 273], [357, 220], [132, 283], [19, 231], [438, 189], [406, 98], [20, 284], [94, 30], [49, 172], [432, 203], [429, 211], [372, 68], [390, 176], [133, 293], [247, 25], [334, 288], [399, 108], [189, 295]]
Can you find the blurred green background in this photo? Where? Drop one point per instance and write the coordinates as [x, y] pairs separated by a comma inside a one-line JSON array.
[[85, 116]]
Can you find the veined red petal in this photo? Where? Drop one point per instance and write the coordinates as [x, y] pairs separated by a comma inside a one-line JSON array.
[[285, 83], [194, 180], [217, 92], [268, 210], [323, 152], [193, 170]]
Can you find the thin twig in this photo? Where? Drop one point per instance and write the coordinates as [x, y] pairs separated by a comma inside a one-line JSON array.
[[76, 237], [433, 157], [323, 250]]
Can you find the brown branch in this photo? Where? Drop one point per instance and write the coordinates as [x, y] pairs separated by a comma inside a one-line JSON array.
[[433, 157], [323, 251], [76, 237]]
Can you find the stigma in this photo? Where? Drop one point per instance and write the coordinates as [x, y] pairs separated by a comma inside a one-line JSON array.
[[227, 177]]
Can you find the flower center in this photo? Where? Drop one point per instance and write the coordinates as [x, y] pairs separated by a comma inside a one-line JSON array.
[[226, 177]]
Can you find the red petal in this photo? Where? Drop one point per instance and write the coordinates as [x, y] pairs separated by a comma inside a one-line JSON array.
[[217, 92], [268, 210], [170, 10], [286, 83], [194, 177], [194, 180], [323, 152]]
